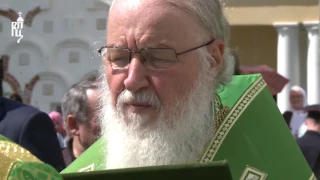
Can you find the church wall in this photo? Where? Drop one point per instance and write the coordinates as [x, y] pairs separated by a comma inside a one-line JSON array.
[[54, 52], [48, 91], [256, 44], [26, 59], [7, 90], [267, 12], [267, 15]]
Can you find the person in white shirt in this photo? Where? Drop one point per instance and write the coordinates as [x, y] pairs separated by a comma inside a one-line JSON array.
[[296, 116]]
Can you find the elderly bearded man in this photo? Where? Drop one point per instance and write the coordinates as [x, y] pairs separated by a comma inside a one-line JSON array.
[[163, 63]]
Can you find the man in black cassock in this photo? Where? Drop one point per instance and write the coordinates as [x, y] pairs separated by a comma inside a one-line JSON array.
[[310, 142]]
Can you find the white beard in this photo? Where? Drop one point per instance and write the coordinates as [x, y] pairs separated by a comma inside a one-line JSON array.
[[183, 141]]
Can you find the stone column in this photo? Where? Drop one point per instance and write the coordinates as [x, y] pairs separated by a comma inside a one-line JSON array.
[[313, 60], [288, 62]]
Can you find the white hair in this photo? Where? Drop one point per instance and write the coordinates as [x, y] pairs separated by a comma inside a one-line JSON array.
[[215, 25], [303, 93], [183, 140], [193, 127]]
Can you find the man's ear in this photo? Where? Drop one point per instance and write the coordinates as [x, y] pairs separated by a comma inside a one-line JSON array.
[[216, 50], [72, 125]]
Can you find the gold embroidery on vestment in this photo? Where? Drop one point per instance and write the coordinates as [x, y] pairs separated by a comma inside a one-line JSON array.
[[232, 117], [87, 169], [251, 173]]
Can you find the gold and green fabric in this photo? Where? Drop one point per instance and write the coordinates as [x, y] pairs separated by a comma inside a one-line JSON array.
[[16, 163], [250, 134]]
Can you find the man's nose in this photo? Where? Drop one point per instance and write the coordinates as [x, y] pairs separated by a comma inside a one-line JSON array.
[[137, 75]]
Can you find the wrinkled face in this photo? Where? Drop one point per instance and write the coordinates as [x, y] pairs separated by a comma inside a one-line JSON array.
[[89, 131], [145, 28], [296, 99], [161, 116]]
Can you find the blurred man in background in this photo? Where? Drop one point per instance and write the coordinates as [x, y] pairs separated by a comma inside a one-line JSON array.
[[296, 116], [56, 118], [79, 108], [309, 143]]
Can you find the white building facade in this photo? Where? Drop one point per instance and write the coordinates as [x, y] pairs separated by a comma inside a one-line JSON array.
[[300, 70], [55, 51]]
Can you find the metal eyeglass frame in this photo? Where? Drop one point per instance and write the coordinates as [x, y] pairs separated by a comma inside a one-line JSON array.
[[139, 52]]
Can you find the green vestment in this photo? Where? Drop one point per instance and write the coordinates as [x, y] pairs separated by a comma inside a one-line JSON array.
[[16, 163], [250, 134]]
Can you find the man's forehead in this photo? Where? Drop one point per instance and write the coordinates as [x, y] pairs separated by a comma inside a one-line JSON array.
[[147, 19], [91, 93], [92, 97], [136, 3], [296, 92], [128, 4], [147, 7]]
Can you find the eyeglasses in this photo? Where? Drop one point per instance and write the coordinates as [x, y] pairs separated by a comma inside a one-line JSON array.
[[152, 58]]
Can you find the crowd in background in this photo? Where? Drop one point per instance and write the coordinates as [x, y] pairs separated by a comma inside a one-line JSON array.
[[302, 119], [76, 120]]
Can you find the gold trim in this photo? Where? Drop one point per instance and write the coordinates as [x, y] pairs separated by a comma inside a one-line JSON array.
[[232, 118], [5, 167], [313, 177], [87, 169], [255, 172], [220, 112], [11, 153]]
